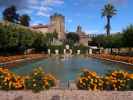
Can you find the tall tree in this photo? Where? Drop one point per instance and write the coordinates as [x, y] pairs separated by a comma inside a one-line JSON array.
[[72, 38], [9, 14], [128, 36], [108, 11], [50, 37], [25, 20]]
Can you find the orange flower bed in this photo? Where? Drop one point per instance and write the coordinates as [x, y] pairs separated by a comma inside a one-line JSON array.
[[116, 80], [37, 81], [117, 58], [17, 57]]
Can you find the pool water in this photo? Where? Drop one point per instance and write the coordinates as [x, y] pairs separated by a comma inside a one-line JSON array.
[[70, 68]]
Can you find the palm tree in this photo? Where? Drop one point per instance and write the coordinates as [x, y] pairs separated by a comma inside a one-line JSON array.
[[25, 20], [108, 11]]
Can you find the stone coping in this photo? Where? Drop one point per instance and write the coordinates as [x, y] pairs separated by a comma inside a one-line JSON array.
[[66, 95]]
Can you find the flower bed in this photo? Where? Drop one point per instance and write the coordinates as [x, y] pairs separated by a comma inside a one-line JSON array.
[[36, 81], [116, 80], [17, 57], [117, 58]]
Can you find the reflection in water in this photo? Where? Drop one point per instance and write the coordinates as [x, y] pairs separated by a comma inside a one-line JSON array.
[[69, 68]]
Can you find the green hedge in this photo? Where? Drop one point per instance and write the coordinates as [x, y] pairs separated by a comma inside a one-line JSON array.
[[74, 49]]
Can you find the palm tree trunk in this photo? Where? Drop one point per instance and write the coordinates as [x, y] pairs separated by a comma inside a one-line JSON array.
[[108, 26]]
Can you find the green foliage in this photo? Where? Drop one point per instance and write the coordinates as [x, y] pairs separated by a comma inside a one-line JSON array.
[[53, 48], [9, 14], [35, 81], [26, 38], [112, 41], [40, 42], [128, 36], [50, 37], [108, 11], [115, 80], [82, 48], [19, 37], [72, 38], [8, 38], [61, 48], [24, 20]]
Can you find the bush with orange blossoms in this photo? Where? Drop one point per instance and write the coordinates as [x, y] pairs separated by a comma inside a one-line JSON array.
[[116, 80], [37, 81], [10, 81]]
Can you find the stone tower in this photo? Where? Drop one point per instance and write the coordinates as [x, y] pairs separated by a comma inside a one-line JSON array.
[[79, 29], [57, 23]]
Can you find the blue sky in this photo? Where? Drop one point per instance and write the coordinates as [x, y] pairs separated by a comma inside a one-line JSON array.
[[86, 13]]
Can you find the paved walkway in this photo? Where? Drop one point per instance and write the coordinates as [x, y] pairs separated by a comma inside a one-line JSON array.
[[65, 95]]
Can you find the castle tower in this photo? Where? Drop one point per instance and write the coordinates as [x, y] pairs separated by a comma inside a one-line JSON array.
[[57, 23], [79, 29]]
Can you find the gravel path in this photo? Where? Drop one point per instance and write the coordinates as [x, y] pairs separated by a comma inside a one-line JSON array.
[[65, 95]]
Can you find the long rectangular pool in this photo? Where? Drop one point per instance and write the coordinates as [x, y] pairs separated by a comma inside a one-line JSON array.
[[69, 68]]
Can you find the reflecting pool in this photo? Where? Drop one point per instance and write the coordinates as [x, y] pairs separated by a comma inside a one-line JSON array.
[[70, 68]]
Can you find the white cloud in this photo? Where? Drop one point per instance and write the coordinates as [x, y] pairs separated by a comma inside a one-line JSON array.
[[42, 13], [69, 20], [58, 1], [51, 2], [46, 7], [33, 2], [93, 31], [42, 8], [27, 11]]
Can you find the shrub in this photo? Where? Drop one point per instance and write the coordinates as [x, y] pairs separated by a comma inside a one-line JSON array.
[[9, 81], [116, 80], [53, 48], [82, 48], [90, 81], [37, 81]]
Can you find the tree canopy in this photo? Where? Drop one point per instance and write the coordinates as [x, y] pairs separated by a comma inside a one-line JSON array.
[[72, 38], [128, 36], [9, 14], [19, 37], [108, 11], [25, 20]]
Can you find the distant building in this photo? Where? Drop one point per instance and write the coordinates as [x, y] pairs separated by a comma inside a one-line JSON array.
[[57, 24], [83, 37], [42, 28]]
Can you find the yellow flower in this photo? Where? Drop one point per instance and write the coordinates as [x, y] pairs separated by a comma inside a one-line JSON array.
[[130, 76], [34, 85]]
